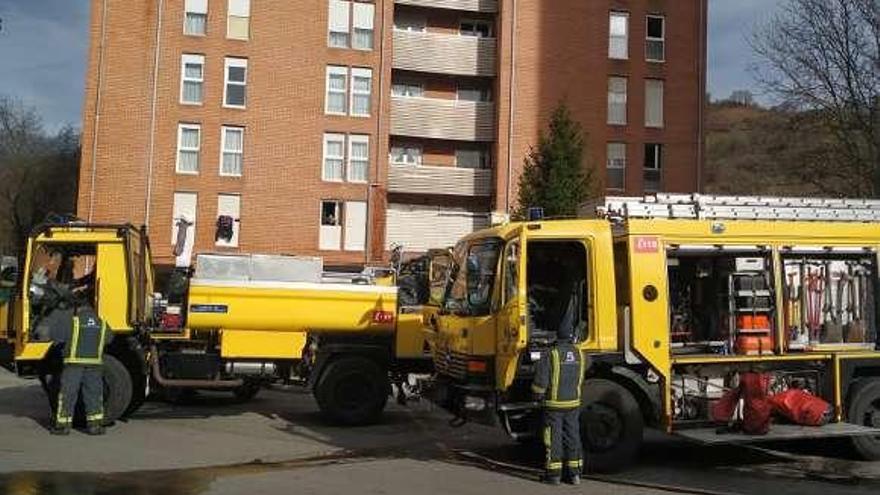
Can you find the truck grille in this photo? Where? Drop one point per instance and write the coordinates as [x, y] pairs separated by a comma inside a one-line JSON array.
[[451, 364]]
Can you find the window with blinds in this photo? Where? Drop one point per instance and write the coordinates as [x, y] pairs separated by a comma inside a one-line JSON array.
[[338, 24], [653, 103], [617, 100], [192, 78], [238, 16], [232, 151], [362, 25], [616, 166], [334, 157], [655, 41], [618, 35], [189, 138], [337, 90], [358, 157], [235, 83], [361, 91], [195, 18]]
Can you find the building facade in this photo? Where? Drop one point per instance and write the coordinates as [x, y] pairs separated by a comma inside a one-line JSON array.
[[338, 128]]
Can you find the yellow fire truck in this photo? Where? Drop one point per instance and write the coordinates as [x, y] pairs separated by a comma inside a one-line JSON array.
[[232, 324], [677, 295]]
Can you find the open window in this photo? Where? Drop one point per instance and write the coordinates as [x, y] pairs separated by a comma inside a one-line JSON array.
[[557, 289], [721, 300]]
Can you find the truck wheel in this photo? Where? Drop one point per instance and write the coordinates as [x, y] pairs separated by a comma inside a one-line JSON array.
[[247, 391], [117, 388], [864, 409], [611, 425], [353, 390]]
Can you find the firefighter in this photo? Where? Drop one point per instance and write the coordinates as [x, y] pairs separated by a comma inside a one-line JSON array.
[[557, 383], [82, 375]]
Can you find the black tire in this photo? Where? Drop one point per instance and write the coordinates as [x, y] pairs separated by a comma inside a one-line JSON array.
[[353, 391], [863, 408], [247, 391], [118, 388], [611, 426]]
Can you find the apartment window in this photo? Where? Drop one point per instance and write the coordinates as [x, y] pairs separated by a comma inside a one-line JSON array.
[[655, 43], [189, 138], [407, 89], [184, 210], [339, 23], [617, 100], [618, 35], [361, 91], [334, 157], [362, 25], [410, 21], [653, 169], [232, 151], [337, 89], [235, 85], [358, 158], [330, 235], [406, 155], [653, 103], [480, 29], [470, 158], [466, 93], [195, 17], [238, 19], [192, 78], [228, 206], [616, 166]]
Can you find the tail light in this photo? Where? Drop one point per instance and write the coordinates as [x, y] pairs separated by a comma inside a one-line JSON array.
[[383, 317], [476, 366]]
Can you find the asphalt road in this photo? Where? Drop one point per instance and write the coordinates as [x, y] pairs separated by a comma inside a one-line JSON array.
[[278, 443]]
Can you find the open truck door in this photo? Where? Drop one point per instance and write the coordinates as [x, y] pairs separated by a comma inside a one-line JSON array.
[[511, 330]]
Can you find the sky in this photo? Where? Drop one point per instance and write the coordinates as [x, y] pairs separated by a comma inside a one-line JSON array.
[[43, 47]]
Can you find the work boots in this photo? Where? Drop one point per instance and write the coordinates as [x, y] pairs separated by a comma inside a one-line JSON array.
[[574, 479], [552, 479], [95, 428], [59, 429]]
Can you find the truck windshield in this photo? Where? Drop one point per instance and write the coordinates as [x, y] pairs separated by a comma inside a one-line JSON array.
[[473, 277]]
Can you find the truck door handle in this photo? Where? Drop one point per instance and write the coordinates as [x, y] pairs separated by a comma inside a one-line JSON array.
[[464, 332]]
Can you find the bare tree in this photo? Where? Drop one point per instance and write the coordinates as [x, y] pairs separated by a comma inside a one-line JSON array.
[[38, 172], [821, 57]]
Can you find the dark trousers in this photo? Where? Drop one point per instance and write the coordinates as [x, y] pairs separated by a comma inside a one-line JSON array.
[[77, 381], [562, 440]]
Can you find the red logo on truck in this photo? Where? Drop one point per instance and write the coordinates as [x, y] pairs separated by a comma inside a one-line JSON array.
[[646, 244]]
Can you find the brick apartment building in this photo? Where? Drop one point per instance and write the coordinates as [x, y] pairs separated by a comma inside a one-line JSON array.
[[336, 128]]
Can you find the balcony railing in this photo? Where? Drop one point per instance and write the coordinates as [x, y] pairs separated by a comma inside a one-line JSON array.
[[434, 118], [468, 5], [448, 181], [444, 53]]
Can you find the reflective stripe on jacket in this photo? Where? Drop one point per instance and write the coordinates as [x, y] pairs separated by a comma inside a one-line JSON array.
[[559, 376], [87, 340]]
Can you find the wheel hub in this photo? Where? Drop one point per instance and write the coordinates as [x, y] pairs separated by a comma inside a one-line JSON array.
[[601, 427]]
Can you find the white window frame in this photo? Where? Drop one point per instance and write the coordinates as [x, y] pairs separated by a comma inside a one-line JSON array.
[[419, 160], [336, 228], [650, 39], [191, 58], [343, 6], [353, 139], [408, 85], [333, 137], [361, 72], [367, 25], [337, 70], [224, 151], [236, 221], [198, 7], [198, 149], [476, 33], [228, 63], [244, 13], [657, 84], [616, 163], [350, 242], [625, 101], [611, 53]]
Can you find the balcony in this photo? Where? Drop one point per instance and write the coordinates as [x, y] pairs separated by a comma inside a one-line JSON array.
[[433, 118], [447, 181], [444, 53], [490, 6]]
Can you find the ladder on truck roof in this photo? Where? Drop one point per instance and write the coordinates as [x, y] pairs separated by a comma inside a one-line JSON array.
[[715, 207]]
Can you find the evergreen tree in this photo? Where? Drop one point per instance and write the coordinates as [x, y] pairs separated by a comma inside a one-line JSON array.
[[554, 174]]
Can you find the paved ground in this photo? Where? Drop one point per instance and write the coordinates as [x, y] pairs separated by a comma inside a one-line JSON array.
[[278, 443]]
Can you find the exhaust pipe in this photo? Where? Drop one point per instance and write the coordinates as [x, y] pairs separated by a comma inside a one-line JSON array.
[[249, 368]]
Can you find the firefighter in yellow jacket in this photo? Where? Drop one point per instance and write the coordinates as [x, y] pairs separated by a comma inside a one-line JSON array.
[[83, 376], [557, 383]]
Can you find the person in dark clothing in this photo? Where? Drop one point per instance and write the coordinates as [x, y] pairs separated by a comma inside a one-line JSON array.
[[557, 384], [83, 376]]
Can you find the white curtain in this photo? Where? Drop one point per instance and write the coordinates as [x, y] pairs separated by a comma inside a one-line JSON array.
[[189, 154], [359, 161], [233, 151]]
